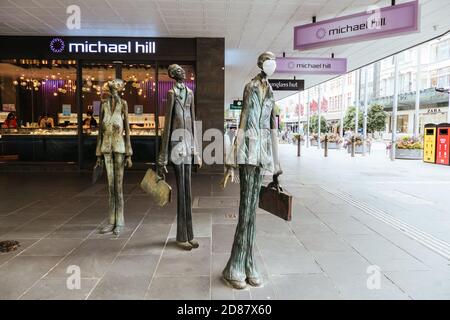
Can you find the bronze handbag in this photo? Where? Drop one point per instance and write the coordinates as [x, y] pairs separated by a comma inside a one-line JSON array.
[[157, 188], [97, 172], [274, 200]]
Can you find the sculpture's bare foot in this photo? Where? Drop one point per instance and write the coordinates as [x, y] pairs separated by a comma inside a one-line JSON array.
[[254, 281], [194, 243], [235, 284], [117, 230], [184, 245], [107, 229]]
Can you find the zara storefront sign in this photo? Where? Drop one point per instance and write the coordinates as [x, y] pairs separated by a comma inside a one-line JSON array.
[[58, 45], [312, 65], [373, 24]]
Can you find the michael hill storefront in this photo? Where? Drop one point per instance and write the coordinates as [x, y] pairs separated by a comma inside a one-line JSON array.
[[53, 85]]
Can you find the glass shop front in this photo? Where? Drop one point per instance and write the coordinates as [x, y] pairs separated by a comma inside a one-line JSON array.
[[50, 93]]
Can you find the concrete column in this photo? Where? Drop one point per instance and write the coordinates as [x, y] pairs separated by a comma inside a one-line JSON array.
[[300, 94], [395, 107], [357, 93], [210, 87], [308, 113], [366, 106], [344, 104], [417, 109], [376, 79], [319, 115]]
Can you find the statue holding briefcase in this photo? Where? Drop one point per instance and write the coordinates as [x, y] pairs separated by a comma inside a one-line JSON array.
[[255, 151]]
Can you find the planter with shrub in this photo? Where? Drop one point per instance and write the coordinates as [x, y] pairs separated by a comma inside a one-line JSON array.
[[334, 141], [409, 148]]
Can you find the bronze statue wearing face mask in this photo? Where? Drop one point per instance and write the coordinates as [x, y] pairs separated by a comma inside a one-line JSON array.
[[255, 151], [113, 143]]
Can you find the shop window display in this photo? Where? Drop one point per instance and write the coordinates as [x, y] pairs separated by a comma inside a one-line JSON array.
[[41, 96], [35, 89]]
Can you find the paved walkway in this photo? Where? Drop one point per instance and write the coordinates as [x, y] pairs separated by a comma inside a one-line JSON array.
[[351, 216]]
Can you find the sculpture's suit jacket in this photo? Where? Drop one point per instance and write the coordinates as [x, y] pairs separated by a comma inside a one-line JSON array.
[[180, 114], [257, 139], [112, 126]]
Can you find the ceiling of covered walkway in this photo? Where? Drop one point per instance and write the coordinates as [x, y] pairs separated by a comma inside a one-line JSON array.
[[249, 27]]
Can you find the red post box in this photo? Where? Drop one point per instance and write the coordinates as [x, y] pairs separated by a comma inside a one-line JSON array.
[[443, 144]]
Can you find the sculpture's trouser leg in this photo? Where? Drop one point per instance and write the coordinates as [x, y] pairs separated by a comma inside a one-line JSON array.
[[242, 262], [114, 163], [119, 166], [184, 210]]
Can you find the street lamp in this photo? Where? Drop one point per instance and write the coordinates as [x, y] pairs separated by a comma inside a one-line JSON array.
[[442, 90]]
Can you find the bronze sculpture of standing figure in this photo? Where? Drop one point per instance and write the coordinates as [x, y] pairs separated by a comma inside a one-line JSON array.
[[179, 141], [113, 143], [255, 151]]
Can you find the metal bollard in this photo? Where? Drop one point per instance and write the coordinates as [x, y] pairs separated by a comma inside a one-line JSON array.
[[353, 147], [299, 143], [326, 146]]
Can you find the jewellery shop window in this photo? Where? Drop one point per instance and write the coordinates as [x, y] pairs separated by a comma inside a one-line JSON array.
[[140, 95], [34, 94], [165, 83]]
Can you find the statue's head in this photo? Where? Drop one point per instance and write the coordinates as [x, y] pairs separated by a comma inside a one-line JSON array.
[[111, 87], [267, 62], [116, 85], [176, 72]]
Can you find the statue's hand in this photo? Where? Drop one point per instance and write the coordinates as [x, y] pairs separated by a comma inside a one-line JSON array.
[[199, 161], [277, 173], [128, 162], [275, 179], [229, 173], [99, 161], [161, 171]]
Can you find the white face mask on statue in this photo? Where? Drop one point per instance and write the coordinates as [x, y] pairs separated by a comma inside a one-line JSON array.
[[269, 67]]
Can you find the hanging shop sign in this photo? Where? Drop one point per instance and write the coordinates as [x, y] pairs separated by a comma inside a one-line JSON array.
[[235, 107], [287, 84], [373, 24], [61, 47], [312, 65]]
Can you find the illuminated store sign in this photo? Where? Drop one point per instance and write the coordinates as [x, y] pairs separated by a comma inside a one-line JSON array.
[[58, 45], [98, 48], [384, 22]]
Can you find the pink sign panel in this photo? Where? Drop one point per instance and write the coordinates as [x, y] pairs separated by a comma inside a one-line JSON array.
[[385, 22], [312, 65]]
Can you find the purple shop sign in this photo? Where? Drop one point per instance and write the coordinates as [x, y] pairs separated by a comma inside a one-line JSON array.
[[388, 21], [312, 65]]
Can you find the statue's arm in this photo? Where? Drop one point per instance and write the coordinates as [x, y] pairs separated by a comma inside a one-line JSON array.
[[98, 150], [164, 148], [128, 149], [196, 150], [274, 138]]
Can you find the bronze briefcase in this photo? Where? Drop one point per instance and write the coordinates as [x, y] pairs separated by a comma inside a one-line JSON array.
[[157, 187], [274, 200]]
